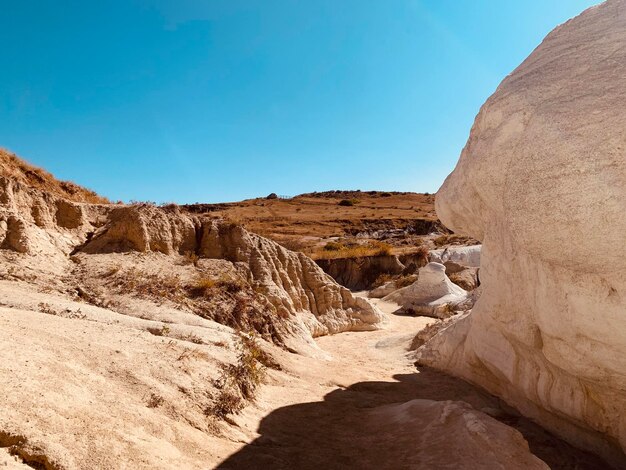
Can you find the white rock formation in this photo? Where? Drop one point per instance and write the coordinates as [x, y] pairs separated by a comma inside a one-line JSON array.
[[432, 294], [464, 255], [542, 182], [382, 291]]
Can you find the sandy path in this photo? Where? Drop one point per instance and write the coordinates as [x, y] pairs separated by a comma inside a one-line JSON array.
[[317, 418]]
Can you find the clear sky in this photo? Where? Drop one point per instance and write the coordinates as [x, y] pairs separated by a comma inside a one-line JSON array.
[[218, 100]]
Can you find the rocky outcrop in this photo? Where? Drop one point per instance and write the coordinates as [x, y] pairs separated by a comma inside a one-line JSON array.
[[542, 182], [360, 273], [433, 294], [295, 286], [291, 281], [35, 222], [464, 277]]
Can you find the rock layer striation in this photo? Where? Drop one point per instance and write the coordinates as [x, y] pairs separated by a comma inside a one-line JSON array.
[[542, 183]]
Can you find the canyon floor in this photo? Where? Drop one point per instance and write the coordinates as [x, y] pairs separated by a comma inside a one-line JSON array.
[[331, 413]]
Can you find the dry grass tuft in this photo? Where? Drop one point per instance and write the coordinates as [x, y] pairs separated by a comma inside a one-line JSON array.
[[19, 170], [334, 250], [453, 239], [207, 287]]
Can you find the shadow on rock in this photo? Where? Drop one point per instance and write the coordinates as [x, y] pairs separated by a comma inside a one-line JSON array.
[[338, 433]]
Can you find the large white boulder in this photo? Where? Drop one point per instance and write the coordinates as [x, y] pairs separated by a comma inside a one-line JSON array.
[[432, 294], [542, 182]]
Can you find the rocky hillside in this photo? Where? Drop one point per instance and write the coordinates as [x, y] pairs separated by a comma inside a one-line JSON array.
[[542, 182]]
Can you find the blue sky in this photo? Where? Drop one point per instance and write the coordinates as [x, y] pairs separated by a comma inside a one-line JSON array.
[[222, 100]]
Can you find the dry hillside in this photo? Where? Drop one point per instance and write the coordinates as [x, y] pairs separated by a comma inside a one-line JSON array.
[[309, 220], [11, 166]]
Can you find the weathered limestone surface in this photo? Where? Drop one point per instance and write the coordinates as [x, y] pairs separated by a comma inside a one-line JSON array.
[[542, 183]]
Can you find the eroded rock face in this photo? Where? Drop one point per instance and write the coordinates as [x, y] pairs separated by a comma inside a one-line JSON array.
[[291, 281], [37, 223], [49, 228], [296, 287], [361, 273], [542, 182]]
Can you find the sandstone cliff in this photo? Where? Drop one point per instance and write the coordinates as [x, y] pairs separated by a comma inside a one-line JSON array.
[[542, 183]]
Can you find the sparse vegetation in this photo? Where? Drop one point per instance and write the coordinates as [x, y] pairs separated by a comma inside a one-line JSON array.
[[348, 202], [453, 239], [404, 281], [292, 244], [206, 286], [19, 170], [47, 308], [339, 250], [155, 400], [112, 271], [193, 338], [153, 285], [401, 281], [164, 330], [334, 246], [238, 382]]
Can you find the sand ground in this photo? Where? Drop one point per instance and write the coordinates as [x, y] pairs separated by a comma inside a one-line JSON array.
[[322, 418]]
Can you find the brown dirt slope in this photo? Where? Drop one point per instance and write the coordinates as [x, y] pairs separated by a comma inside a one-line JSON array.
[[11, 166]]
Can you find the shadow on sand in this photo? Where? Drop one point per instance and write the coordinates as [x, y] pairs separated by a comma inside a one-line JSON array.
[[336, 434]]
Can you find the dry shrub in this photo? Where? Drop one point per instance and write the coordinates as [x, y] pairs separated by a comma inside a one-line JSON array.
[[191, 258], [148, 285], [164, 330], [422, 253], [238, 382], [111, 271], [207, 287], [334, 246], [453, 239], [193, 338], [348, 202], [155, 401], [400, 281], [382, 279]]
